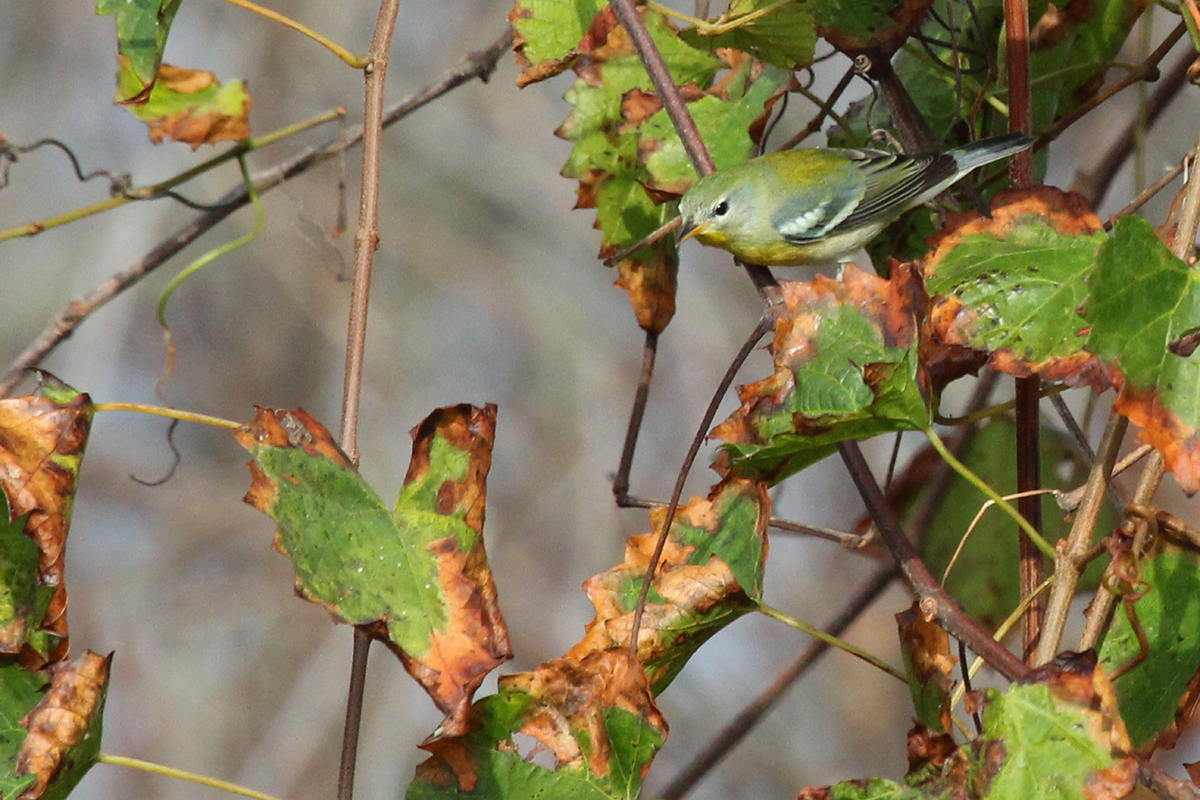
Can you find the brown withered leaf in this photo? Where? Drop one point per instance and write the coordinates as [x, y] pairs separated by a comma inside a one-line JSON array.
[[42, 440], [571, 697], [595, 716], [929, 666], [65, 725], [650, 283]]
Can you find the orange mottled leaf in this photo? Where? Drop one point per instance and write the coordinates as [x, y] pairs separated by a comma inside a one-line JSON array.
[[416, 577], [847, 365]]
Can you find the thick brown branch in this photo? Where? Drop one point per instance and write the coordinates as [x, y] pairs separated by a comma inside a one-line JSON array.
[[1028, 390], [934, 602]]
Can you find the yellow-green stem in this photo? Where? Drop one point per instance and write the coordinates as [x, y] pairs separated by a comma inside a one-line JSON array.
[[358, 62], [989, 492], [183, 775], [150, 192], [173, 413], [259, 221], [832, 641]]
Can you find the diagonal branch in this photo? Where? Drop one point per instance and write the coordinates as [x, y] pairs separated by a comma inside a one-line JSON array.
[[479, 65]]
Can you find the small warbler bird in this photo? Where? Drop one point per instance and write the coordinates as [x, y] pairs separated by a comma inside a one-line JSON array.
[[797, 207]]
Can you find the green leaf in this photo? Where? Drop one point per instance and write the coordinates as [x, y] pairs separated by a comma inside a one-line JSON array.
[[725, 126], [1141, 299], [1058, 739], [854, 25], [1049, 746], [847, 367], [1021, 285], [504, 774], [1169, 614], [985, 579], [1084, 42], [20, 691], [23, 597], [785, 37], [550, 30], [142, 28]]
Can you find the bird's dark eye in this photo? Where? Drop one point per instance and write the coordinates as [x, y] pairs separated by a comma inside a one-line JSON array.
[[721, 208]]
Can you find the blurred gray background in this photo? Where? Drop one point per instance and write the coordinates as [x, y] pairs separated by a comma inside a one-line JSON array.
[[486, 289]]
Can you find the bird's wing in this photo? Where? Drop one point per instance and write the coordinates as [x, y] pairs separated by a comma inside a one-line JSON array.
[[896, 182], [810, 213]]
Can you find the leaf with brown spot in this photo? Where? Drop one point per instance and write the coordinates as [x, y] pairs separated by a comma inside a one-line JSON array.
[[188, 105], [595, 716], [1010, 284], [415, 578], [847, 366], [551, 36], [62, 728], [710, 574], [593, 709], [1042, 291], [42, 440]]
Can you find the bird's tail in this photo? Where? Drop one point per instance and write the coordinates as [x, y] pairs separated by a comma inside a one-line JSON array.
[[985, 151]]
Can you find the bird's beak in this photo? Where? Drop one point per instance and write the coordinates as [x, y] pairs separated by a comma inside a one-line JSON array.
[[687, 230]]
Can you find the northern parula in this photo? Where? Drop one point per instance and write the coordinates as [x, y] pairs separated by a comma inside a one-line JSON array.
[[813, 206]]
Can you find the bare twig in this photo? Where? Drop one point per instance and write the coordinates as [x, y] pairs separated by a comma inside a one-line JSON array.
[[1074, 550], [915, 132], [1163, 182], [824, 109], [1093, 183], [478, 65], [366, 242], [640, 398], [1146, 71]]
